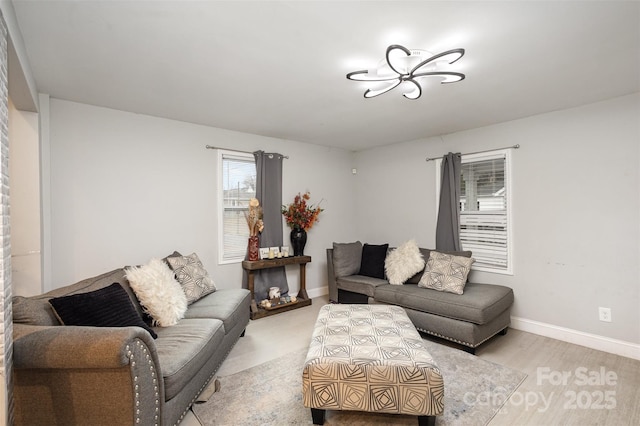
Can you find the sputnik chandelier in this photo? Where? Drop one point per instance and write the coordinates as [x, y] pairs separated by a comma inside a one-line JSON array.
[[407, 66]]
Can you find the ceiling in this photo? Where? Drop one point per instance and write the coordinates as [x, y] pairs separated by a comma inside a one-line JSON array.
[[277, 68]]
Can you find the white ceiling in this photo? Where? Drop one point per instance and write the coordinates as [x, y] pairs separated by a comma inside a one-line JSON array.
[[278, 68]]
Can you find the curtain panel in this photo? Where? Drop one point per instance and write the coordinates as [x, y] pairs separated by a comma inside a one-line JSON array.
[[448, 224], [269, 193]]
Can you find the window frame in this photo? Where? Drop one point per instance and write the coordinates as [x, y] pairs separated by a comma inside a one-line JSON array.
[[223, 154], [484, 156]]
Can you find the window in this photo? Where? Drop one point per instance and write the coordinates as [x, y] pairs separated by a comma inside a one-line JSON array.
[[236, 185], [485, 204]]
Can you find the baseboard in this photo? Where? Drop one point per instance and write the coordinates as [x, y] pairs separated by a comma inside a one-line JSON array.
[[593, 341], [317, 292]]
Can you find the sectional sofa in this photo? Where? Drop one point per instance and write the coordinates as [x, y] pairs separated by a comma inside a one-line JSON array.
[[469, 319]]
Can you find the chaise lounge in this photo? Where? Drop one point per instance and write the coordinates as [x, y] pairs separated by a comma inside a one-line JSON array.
[[471, 318]]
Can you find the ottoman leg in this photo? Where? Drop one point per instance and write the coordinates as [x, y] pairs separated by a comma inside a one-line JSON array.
[[318, 416], [426, 420]]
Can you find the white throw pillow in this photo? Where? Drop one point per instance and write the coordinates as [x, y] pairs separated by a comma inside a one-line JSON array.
[[194, 279], [158, 292], [446, 272], [403, 262]]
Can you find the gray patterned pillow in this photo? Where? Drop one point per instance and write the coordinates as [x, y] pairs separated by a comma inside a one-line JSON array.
[[192, 276], [445, 272]]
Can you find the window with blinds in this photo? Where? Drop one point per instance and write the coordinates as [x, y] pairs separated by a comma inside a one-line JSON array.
[[237, 185], [485, 210]]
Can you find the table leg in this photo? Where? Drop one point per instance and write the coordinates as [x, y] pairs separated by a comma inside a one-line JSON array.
[[250, 277], [303, 282]]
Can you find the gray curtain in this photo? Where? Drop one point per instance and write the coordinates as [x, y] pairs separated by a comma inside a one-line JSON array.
[[269, 193], [448, 225]]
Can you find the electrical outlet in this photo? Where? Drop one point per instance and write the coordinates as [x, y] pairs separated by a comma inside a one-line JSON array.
[[604, 314]]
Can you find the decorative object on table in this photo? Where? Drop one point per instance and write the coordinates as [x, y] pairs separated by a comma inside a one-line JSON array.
[[275, 303], [274, 292], [300, 217], [285, 251], [265, 303], [256, 225], [273, 252], [264, 252], [298, 238]]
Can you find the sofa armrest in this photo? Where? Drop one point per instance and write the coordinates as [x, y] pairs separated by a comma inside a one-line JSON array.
[[86, 375]]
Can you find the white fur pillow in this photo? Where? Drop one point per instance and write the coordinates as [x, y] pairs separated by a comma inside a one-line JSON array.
[[403, 262], [158, 292]]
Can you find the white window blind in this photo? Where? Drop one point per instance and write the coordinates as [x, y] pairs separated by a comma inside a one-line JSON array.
[[485, 210], [237, 186]]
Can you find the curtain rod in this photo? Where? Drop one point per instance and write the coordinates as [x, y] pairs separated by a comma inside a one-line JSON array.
[[516, 146], [237, 150]]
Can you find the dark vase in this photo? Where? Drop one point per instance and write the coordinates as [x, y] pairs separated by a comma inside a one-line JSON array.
[[254, 248], [298, 240]]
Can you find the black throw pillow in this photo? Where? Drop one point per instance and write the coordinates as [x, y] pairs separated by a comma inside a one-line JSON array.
[[373, 256], [107, 307]]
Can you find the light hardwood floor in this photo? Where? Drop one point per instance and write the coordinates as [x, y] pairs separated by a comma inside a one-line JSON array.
[[566, 384]]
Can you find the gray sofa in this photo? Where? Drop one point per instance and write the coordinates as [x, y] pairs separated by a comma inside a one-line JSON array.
[[469, 319], [77, 375]]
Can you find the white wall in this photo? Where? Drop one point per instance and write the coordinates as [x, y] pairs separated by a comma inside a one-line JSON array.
[[128, 187], [575, 210], [24, 175]]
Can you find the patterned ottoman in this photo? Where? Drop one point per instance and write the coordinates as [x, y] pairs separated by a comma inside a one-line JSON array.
[[370, 358]]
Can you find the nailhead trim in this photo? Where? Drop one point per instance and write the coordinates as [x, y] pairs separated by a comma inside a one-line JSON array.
[[454, 340], [136, 388]]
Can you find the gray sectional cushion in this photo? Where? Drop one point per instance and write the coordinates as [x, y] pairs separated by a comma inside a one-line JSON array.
[[183, 349], [228, 305], [33, 311], [479, 304], [360, 284], [467, 333], [346, 258], [93, 283]]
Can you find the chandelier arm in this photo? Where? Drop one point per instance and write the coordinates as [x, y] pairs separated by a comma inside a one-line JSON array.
[[353, 76], [441, 73], [418, 87], [373, 93], [393, 47], [434, 57]]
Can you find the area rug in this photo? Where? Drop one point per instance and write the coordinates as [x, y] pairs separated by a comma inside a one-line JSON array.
[[271, 394]]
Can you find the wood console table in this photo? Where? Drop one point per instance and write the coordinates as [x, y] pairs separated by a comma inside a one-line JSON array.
[[254, 265]]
